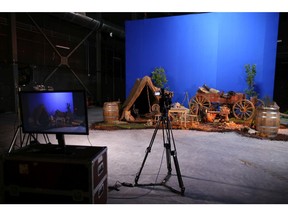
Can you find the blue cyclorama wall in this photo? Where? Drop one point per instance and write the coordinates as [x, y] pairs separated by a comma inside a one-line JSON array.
[[208, 48]]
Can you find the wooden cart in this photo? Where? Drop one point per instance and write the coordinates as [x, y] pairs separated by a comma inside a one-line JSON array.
[[241, 107]]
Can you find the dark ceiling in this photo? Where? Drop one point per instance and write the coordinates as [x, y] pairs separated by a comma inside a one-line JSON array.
[[119, 18]]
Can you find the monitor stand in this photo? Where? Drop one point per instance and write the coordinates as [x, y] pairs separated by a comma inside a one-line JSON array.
[[61, 140]]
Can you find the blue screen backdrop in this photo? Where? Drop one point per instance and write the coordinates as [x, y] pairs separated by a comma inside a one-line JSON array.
[[207, 48]]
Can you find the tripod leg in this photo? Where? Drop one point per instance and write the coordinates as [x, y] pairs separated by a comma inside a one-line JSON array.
[[176, 163], [167, 145], [179, 176], [168, 160], [14, 139], [148, 150], [172, 153]]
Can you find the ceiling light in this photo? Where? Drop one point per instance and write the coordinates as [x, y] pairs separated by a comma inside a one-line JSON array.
[[63, 47]]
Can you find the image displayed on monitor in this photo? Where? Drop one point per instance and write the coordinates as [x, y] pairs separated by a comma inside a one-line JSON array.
[[54, 112]]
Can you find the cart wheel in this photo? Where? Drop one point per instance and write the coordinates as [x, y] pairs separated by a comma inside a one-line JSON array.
[[243, 109], [198, 102], [155, 108], [259, 103], [194, 108]]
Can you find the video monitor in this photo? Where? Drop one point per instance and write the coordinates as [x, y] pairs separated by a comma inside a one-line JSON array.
[[54, 112]]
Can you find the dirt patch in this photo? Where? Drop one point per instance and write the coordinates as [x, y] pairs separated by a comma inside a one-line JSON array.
[[118, 125], [279, 137], [239, 128]]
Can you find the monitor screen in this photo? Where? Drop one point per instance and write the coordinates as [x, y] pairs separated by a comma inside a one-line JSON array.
[[54, 112]]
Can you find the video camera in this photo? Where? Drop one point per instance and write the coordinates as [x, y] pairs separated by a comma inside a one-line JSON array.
[[165, 100]]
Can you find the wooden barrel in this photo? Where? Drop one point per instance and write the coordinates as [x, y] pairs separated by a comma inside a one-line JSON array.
[[111, 111], [267, 121]]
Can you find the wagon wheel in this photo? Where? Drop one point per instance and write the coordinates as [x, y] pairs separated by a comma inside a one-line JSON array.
[[197, 102], [194, 108], [243, 109], [155, 108], [259, 103]]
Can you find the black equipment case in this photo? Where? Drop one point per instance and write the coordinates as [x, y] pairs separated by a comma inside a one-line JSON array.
[[51, 174]]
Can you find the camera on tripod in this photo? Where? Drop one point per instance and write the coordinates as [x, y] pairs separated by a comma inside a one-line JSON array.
[[164, 123], [165, 100]]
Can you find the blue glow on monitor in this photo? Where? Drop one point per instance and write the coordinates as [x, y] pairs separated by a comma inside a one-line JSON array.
[[54, 112], [51, 101]]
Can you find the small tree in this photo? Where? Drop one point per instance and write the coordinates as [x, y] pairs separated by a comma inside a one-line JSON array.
[[250, 80], [158, 77]]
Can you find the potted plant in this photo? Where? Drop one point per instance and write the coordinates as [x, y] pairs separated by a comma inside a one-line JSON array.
[[158, 77], [250, 71]]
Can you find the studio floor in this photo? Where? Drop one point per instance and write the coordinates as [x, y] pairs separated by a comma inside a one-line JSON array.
[[216, 168]]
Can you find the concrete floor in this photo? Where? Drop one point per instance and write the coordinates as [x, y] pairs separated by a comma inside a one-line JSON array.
[[216, 168]]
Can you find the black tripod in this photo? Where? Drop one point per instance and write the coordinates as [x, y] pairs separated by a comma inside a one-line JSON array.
[[168, 139], [24, 139]]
